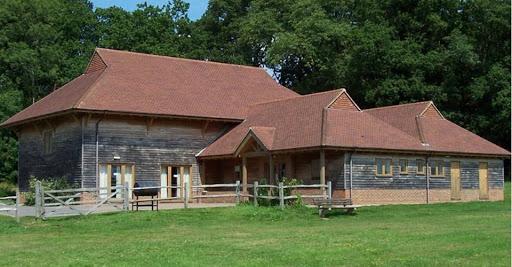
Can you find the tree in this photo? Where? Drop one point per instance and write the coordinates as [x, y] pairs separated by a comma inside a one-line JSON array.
[[43, 44]]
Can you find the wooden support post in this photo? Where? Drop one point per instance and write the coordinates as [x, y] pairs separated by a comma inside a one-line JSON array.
[[271, 170], [237, 191], [244, 174], [17, 204], [281, 195], [329, 190], [255, 193], [322, 170], [126, 197]]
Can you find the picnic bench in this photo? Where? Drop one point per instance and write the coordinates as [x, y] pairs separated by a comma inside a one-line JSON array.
[[331, 204], [140, 191]]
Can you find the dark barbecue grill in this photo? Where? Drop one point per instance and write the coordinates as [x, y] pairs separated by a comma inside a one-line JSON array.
[[146, 192]]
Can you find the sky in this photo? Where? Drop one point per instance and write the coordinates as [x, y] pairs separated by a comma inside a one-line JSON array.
[[196, 10]]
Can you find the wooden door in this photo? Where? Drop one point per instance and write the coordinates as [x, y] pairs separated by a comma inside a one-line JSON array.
[[483, 179], [455, 180]]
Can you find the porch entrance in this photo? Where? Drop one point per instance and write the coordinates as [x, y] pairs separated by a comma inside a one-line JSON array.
[[111, 175], [176, 177], [455, 180]]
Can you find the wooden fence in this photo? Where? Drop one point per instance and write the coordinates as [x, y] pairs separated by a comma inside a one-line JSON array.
[[16, 208], [84, 201]]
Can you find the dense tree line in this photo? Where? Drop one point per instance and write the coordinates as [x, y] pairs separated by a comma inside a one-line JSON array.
[[456, 53]]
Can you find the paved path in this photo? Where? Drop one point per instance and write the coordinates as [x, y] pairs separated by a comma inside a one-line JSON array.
[[27, 211]]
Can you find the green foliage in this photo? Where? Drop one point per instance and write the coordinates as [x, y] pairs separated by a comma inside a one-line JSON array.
[[47, 184], [264, 191], [456, 53], [7, 189]]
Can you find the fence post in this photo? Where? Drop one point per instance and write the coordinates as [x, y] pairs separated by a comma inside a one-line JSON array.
[[237, 192], [255, 193], [329, 190], [38, 199], [41, 192], [185, 192], [281, 195], [17, 204], [126, 196]]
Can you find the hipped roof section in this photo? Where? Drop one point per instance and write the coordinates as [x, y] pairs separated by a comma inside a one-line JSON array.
[[333, 120], [135, 83]]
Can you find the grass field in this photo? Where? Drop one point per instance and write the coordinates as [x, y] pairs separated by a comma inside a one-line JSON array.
[[469, 234]]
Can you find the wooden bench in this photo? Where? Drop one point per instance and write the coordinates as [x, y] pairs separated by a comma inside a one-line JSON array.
[[330, 204]]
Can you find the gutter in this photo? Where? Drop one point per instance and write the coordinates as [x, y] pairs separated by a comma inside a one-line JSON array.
[[427, 177], [97, 148]]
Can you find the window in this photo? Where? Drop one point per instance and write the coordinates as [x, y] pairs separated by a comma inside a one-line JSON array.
[[420, 167], [437, 168], [404, 166], [383, 167], [47, 142]]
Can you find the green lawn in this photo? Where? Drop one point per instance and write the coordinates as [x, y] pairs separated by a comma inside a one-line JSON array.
[[472, 234]]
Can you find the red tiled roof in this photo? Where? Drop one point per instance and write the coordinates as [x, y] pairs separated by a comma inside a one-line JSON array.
[[149, 84], [307, 122], [297, 122], [446, 136], [401, 116]]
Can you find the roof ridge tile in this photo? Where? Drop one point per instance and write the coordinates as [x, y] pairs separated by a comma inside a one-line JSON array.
[[180, 58]]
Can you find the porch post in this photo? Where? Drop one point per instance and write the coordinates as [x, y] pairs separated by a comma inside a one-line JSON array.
[[322, 169], [271, 169], [244, 174]]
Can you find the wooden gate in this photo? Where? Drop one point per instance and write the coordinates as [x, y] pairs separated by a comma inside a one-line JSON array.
[[71, 201]]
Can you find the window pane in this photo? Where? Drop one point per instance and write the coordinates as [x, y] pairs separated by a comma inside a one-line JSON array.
[[163, 181], [403, 165], [379, 166], [388, 167], [420, 166], [433, 170]]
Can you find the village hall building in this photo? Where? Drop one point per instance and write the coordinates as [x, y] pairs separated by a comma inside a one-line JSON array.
[[162, 120]]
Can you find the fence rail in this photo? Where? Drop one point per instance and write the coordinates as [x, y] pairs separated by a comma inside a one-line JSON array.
[[16, 198], [72, 198]]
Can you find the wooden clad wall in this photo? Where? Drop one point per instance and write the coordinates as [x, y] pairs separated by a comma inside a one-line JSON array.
[[363, 173], [64, 159], [95, 64], [147, 144], [343, 102], [431, 112]]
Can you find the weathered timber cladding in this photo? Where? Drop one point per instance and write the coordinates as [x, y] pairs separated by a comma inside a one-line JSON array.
[[62, 161], [363, 173], [147, 144]]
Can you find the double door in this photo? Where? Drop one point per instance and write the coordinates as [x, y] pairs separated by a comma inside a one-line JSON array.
[[115, 175], [173, 180]]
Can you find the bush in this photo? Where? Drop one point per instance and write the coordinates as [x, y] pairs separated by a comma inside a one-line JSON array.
[[7, 189], [47, 184], [275, 192]]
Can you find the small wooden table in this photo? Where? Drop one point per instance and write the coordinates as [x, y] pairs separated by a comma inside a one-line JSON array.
[[330, 204]]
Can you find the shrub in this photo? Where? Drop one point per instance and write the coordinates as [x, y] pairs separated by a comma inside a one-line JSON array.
[[47, 184], [275, 192], [7, 189]]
